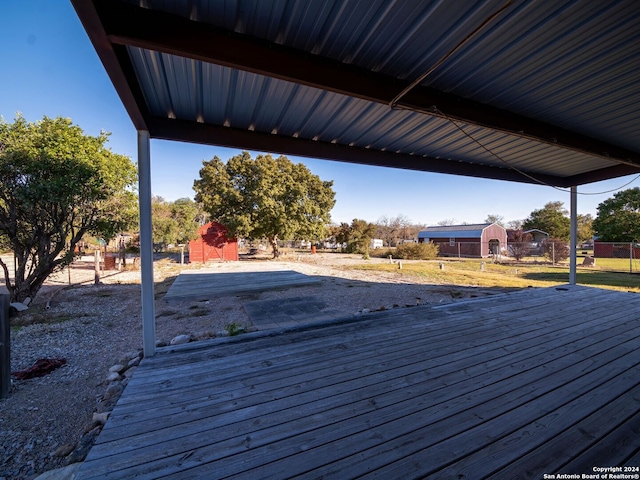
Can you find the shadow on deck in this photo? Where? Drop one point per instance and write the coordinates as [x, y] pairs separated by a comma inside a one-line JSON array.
[[511, 386]]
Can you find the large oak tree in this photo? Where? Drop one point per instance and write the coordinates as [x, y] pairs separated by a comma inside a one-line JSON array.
[[552, 219], [618, 218], [268, 197], [56, 185], [175, 222], [357, 236]]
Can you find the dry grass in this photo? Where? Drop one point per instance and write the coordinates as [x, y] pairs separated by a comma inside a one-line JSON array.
[[469, 272]]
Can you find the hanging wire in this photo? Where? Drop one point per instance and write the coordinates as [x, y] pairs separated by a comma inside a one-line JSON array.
[[434, 109], [420, 79], [525, 174]]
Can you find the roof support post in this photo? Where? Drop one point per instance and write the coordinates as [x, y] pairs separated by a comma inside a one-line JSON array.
[[146, 244], [574, 235]]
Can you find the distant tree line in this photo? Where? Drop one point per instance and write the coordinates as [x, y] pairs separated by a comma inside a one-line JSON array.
[[617, 220], [58, 185]]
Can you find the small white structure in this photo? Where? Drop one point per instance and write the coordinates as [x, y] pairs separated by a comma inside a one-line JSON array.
[[376, 243]]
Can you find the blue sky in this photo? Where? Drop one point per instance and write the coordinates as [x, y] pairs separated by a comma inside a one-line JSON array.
[[49, 67]]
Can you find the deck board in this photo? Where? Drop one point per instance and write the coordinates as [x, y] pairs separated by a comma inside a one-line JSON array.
[[510, 386], [618, 424]]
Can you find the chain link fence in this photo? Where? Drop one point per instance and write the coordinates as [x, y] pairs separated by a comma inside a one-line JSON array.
[[615, 256], [605, 256], [526, 252]]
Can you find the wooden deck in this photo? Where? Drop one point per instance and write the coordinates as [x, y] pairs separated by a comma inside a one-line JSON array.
[[508, 387]]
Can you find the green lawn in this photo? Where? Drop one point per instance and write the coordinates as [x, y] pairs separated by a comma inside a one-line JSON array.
[[614, 264], [468, 272]]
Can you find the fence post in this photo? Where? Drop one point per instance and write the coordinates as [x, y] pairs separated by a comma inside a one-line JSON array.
[[5, 347], [96, 267], [631, 257]]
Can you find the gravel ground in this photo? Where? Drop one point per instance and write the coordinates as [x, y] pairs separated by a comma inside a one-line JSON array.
[[48, 422]]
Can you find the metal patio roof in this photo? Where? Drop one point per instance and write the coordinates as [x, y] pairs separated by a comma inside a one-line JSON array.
[[529, 91]]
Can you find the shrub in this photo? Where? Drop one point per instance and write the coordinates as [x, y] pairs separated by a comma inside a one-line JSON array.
[[519, 244], [234, 329], [416, 251], [556, 250]]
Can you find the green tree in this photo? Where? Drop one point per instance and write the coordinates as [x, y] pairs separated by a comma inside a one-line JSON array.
[[174, 222], [357, 236], [265, 198], [56, 185], [189, 216], [585, 227], [164, 227], [551, 219], [340, 233], [618, 218]]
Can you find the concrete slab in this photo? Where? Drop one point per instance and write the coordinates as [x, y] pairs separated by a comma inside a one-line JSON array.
[[204, 284], [285, 312]]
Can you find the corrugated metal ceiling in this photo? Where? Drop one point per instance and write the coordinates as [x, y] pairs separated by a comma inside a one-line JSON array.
[[565, 61], [571, 64], [176, 88]]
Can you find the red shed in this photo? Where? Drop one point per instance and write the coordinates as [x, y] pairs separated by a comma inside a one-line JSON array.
[[213, 245], [480, 240]]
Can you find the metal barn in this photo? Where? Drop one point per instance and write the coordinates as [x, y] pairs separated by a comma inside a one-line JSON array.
[[478, 240]]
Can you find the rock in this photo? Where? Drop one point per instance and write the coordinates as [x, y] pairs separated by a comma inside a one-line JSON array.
[[64, 450], [110, 398], [126, 359], [63, 473], [134, 362], [27, 301], [117, 368], [206, 335], [84, 445], [180, 339], [113, 391], [19, 306], [101, 418], [105, 407], [88, 427], [589, 261], [129, 373], [114, 377]]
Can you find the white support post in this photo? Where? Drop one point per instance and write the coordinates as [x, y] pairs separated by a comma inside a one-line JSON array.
[[574, 235], [146, 244]]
